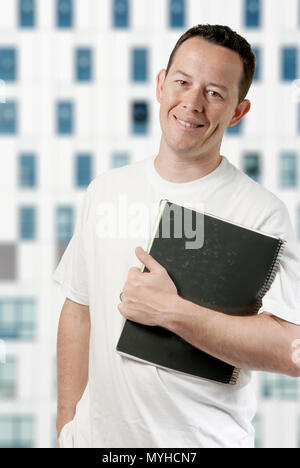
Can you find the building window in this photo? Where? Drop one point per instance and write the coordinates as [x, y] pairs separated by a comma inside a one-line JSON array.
[[257, 74], [64, 118], [120, 159], [8, 63], [252, 13], [8, 118], [289, 63], [277, 386], [140, 117], [83, 64], [17, 318], [236, 129], [120, 13], [16, 431], [83, 170], [139, 65], [27, 171], [8, 378], [27, 223], [252, 166], [27, 13], [64, 223], [257, 424], [177, 13], [8, 261], [288, 170], [64, 13]]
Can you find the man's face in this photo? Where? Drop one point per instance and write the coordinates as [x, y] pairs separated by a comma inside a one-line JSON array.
[[207, 96]]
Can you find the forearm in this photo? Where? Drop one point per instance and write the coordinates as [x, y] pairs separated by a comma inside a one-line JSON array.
[[258, 342], [72, 359]]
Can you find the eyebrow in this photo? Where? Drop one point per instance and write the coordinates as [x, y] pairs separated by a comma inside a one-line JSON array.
[[210, 84]]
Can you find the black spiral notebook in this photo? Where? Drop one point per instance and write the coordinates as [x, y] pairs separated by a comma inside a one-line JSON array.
[[227, 268]]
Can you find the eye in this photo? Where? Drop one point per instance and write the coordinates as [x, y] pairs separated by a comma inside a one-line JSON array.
[[211, 91], [180, 81]]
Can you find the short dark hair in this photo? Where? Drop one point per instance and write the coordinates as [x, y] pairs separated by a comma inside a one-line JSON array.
[[226, 37]]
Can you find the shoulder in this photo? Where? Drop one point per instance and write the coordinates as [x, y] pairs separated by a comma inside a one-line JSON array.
[[255, 193]]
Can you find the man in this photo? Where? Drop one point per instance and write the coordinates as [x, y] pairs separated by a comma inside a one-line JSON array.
[[107, 400]]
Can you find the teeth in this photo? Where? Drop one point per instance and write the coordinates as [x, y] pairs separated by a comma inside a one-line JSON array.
[[187, 124]]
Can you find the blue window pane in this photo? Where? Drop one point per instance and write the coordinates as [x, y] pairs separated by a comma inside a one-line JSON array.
[[64, 223], [252, 166], [17, 318], [140, 117], [252, 13], [257, 74], [83, 64], [177, 13], [26, 314], [83, 170], [8, 378], [7, 63], [64, 13], [119, 160], [27, 170], [64, 118], [17, 431], [280, 387], [289, 63], [120, 13], [236, 129], [288, 170], [26, 13], [139, 64], [9, 323], [27, 223], [8, 118], [257, 424]]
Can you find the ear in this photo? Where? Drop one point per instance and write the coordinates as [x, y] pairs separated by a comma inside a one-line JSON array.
[[159, 83], [240, 111]]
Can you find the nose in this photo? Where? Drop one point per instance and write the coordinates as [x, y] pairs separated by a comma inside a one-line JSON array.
[[193, 101]]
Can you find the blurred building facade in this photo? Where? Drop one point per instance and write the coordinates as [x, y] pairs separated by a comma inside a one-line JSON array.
[[77, 97]]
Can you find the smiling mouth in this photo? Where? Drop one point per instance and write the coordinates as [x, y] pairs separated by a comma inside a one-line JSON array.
[[187, 126]]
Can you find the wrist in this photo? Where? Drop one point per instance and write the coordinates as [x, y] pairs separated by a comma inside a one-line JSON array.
[[173, 313]]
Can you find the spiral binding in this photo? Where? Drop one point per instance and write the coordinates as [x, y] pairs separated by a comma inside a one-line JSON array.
[[272, 273], [266, 286], [234, 377]]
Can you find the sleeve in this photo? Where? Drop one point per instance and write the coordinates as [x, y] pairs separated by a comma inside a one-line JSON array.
[[283, 298], [71, 272]]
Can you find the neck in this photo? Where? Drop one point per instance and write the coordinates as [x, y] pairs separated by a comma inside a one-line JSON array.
[[180, 168]]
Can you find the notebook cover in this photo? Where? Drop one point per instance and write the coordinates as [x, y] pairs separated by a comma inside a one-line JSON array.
[[230, 273]]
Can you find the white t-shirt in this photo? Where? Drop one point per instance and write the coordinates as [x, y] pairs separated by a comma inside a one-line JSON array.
[[129, 403]]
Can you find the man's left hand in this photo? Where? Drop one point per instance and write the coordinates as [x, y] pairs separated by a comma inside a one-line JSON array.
[[148, 297]]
